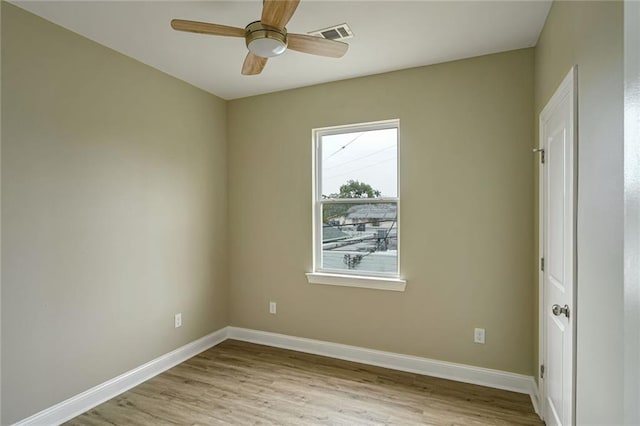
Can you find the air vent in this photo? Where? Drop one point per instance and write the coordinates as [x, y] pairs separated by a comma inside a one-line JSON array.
[[338, 32]]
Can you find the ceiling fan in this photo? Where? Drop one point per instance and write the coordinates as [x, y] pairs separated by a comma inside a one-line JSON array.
[[268, 37]]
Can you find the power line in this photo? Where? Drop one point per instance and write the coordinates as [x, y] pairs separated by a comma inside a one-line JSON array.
[[344, 146], [358, 159], [361, 168]]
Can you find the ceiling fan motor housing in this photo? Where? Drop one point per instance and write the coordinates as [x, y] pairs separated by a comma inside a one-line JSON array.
[[265, 41]]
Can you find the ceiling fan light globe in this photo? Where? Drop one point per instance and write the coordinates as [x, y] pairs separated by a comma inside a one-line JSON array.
[[267, 47]]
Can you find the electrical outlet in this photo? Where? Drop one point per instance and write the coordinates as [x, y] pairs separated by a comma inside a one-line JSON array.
[[177, 320], [272, 307], [478, 335]]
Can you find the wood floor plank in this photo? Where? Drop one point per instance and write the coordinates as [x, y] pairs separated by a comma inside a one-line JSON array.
[[238, 383]]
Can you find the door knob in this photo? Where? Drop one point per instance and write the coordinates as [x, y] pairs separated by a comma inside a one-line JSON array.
[[559, 310]]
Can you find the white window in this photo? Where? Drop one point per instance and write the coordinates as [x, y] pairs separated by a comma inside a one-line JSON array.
[[356, 206]]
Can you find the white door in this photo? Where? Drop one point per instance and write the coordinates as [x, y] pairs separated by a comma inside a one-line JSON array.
[[557, 245]]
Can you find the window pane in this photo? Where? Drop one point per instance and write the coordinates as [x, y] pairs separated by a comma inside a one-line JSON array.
[[360, 237], [360, 165]]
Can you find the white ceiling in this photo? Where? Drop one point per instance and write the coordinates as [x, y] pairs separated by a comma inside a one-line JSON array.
[[388, 35]]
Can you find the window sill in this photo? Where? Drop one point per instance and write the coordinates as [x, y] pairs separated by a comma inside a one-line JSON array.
[[377, 283]]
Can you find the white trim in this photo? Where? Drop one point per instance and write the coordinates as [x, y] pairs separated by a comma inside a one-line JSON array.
[[632, 212], [85, 401], [377, 283], [535, 398], [318, 201], [76, 405], [541, 340], [413, 364], [568, 87]]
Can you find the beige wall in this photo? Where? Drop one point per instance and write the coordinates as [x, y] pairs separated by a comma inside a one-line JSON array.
[[467, 208], [589, 34], [114, 213]]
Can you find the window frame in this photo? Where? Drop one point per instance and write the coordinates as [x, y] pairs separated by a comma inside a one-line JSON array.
[[365, 279]]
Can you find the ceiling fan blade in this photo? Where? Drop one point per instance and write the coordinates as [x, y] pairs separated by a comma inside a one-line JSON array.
[[316, 45], [276, 13], [253, 64], [206, 28]]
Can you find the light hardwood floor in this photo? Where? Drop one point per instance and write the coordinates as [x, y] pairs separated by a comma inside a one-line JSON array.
[[242, 383]]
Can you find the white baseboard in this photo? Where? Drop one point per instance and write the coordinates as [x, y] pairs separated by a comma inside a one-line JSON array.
[[535, 398], [88, 399], [413, 364]]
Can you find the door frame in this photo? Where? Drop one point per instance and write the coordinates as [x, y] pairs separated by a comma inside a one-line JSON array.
[[569, 86]]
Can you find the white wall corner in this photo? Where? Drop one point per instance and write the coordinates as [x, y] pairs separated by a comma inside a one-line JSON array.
[[76, 405]]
